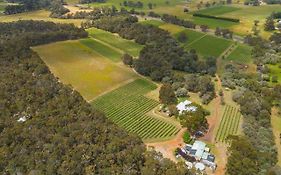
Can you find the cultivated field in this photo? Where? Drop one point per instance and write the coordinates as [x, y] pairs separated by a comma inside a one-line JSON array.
[[204, 44], [210, 45], [128, 107], [104, 50], [241, 54], [218, 10], [89, 72], [229, 123], [116, 41]]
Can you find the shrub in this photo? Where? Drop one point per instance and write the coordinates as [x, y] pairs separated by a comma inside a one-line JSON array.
[[186, 137]]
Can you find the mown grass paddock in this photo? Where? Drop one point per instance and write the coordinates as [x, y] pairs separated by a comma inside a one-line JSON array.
[[204, 44], [128, 107], [229, 123], [104, 50], [116, 41], [241, 54], [210, 46], [218, 10], [89, 72]]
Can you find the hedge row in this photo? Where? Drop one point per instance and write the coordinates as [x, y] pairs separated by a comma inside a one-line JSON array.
[[216, 17]]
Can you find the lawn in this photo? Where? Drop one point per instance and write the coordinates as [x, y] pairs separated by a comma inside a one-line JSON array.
[[229, 123], [241, 54], [275, 70], [37, 15], [218, 10], [90, 73], [210, 46], [104, 50], [116, 41], [128, 107]]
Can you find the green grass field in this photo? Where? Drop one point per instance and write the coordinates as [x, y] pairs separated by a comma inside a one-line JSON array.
[[218, 10], [210, 46], [116, 41], [89, 72], [205, 45], [128, 107], [229, 123], [241, 54], [104, 50]]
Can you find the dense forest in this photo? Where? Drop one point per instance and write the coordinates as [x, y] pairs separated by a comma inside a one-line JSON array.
[[47, 128], [256, 98]]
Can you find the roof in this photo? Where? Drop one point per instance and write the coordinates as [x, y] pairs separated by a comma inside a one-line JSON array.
[[200, 166], [199, 147], [184, 106]]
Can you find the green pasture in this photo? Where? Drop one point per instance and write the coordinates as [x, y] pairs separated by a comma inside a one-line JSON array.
[[218, 10], [128, 107], [210, 46], [116, 41], [229, 123], [102, 49], [171, 28], [87, 71], [192, 36], [241, 54]]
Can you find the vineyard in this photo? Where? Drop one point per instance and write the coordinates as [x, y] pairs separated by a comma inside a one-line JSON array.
[[229, 123], [128, 107]]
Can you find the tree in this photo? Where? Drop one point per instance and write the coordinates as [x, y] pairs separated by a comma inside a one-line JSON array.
[[173, 110], [229, 1], [167, 95], [204, 28], [218, 31], [127, 59], [195, 121], [243, 157], [150, 5], [269, 24], [274, 79], [255, 30], [182, 37], [256, 22], [181, 92]]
